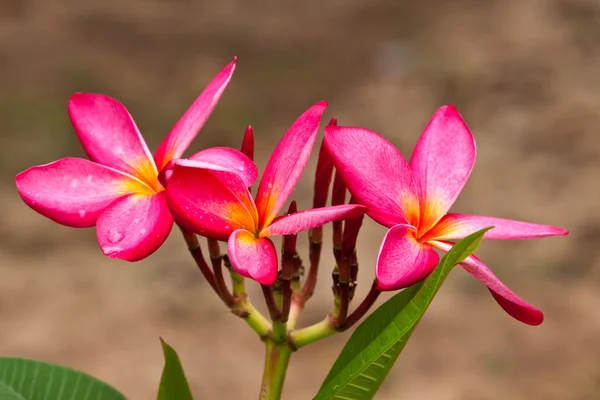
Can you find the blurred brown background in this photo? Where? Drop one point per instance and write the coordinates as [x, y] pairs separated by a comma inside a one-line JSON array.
[[524, 74]]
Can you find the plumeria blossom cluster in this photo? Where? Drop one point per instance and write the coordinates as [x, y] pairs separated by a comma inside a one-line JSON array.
[[134, 198]]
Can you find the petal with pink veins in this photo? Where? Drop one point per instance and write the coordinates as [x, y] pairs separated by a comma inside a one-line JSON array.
[[188, 126], [211, 202], [508, 300], [230, 159], [74, 191], [376, 174], [287, 163], [109, 135], [441, 164], [134, 226], [402, 261], [457, 226], [308, 219], [253, 257]]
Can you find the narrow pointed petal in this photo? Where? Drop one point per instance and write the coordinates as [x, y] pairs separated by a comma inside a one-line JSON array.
[[441, 164], [508, 300], [376, 174], [248, 143], [457, 226], [210, 202], [253, 257], [188, 126], [134, 226], [287, 163], [109, 135], [74, 191], [402, 261], [308, 219], [230, 159]]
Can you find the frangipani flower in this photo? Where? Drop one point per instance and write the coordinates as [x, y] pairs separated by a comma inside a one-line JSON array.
[[117, 189], [216, 203], [412, 199]]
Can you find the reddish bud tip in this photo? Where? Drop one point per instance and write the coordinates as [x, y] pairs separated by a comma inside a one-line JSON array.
[[293, 208], [248, 143], [322, 177], [333, 122]]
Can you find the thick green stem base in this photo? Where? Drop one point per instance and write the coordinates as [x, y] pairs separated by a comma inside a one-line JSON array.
[[277, 359]]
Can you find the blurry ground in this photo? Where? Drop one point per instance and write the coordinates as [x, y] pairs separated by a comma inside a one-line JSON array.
[[524, 74]]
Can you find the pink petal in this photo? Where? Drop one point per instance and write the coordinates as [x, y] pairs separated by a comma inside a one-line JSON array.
[[253, 257], [376, 174], [188, 126], [402, 261], [441, 164], [509, 301], [308, 219], [287, 163], [74, 191], [457, 226], [209, 201], [109, 135], [230, 159], [134, 226]]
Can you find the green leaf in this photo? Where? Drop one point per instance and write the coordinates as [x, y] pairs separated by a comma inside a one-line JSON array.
[[372, 350], [6, 393], [24, 379], [173, 383]]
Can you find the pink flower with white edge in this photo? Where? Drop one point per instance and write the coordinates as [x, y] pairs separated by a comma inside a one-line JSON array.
[[412, 199], [118, 189], [216, 203]]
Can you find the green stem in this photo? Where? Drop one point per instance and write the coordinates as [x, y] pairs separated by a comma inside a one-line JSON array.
[[310, 334], [279, 334], [276, 362], [244, 308]]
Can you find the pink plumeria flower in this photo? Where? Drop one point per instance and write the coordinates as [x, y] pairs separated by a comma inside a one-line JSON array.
[[412, 199], [118, 189], [216, 203]]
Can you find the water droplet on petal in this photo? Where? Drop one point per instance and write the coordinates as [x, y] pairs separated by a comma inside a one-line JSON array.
[[82, 213], [90, 178], [143, 231], [74, 182], [115, 236], [270, 185]]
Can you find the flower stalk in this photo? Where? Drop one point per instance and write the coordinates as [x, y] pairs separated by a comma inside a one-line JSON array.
[[216, 260], [196, 252], [243, 308], [277, 359]]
